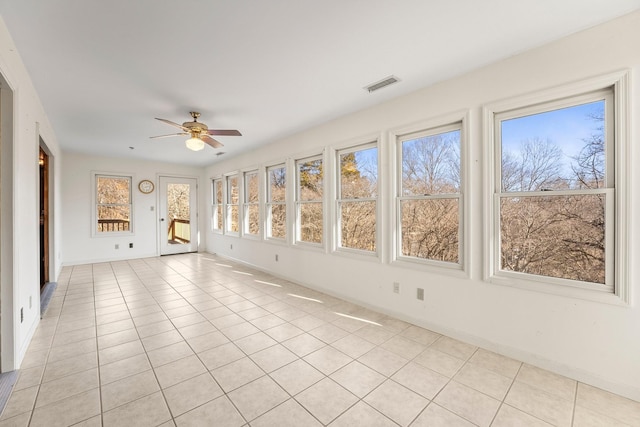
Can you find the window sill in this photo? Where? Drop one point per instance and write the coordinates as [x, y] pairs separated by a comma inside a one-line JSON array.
[[314, 247], [516, 280], [276, 241], [358, 254], [251, 236], [436, 267]]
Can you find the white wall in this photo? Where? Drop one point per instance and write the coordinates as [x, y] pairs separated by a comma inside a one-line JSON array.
[[593, 342], [22, 288], [78, 245]]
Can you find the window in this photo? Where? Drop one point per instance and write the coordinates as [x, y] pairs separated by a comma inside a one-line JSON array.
[[232, 217], [309, 193], [429, 202], [555, 191], [357, 197], [276, 202], [558, 193], [217, 207], [113, 204], [251, 207]]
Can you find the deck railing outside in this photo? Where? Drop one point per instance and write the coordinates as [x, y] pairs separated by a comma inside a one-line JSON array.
[[113, 225], [179, 231]]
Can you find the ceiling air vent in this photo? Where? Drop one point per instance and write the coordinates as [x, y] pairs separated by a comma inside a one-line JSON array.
[[382, 83]]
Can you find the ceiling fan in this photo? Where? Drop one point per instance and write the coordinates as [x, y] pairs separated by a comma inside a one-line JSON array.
[[199, 133]]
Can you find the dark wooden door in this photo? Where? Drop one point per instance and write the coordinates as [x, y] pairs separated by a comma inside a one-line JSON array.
[[44, 218]]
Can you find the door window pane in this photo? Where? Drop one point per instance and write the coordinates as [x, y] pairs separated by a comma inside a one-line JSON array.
[[179, 213]]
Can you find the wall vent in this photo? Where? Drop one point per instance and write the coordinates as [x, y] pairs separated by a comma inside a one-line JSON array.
[[382, 83]]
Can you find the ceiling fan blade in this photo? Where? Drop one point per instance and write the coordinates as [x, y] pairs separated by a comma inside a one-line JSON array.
[[224, 132], [212, 142], [167, 136], [169, 122]]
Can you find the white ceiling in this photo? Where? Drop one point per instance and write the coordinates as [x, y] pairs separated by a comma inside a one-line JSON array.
[[105, 69]]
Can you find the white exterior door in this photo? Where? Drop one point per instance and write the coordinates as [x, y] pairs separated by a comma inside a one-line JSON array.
[[178, 215]]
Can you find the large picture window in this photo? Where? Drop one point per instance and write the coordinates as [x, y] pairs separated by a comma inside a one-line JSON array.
[[276, 204], [113, 204], [555, 190], [251, 207], [232, 202], [216, 209], [357, 192], [429, 202], [309, 200]]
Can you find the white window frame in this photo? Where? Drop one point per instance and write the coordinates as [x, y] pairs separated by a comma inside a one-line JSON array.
[[94, 195], [299, 203], [247, 204], [269, 203], [215, 204], [339, 201], [456, 121], [229, 205], [617, 288]]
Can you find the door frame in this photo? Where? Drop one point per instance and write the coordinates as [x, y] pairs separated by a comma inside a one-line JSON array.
[[8, 303], [196, 225]]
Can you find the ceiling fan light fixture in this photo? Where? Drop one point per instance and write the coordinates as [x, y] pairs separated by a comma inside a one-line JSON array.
[[199, 133], [195, 144]]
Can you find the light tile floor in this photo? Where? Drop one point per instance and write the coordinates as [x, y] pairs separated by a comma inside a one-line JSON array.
[[195, 340]]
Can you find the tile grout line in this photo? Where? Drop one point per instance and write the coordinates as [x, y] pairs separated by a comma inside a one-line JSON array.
[[502, 402], [575, 401], [98, 349]]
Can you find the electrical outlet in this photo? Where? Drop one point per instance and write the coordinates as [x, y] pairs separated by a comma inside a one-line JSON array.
[[21, 314], [130, 245], [420, 294], [230, 246], [30, 301], [276, 257], [396, 287], [117, 246]]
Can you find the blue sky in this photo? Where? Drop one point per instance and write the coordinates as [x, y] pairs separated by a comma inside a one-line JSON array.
[[367, 161], [566, 127]]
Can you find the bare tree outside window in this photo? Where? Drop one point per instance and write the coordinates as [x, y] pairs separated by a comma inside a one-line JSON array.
[[251, 206], [430, 195], [553, 195], [113, 203], [357, 198], [310, 188], [276, 202], [233, 200], [217, 208], [178, 201]]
